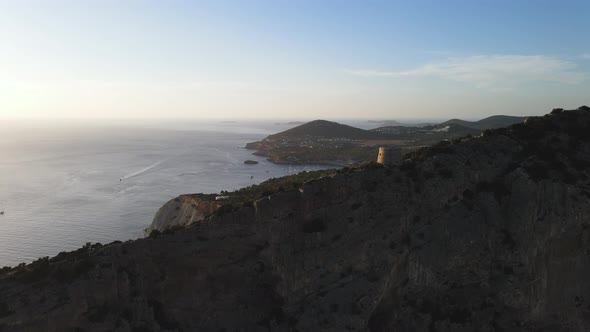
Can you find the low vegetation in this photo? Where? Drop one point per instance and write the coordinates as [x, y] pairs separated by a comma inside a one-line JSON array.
[[4, 310], [64, 267], [248, 195]]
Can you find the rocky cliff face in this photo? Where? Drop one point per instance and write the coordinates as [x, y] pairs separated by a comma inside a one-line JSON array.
[[182, 211], [481, 234]]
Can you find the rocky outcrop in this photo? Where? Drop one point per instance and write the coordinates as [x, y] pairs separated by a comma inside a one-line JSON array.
[[183, 211], [482, 234]]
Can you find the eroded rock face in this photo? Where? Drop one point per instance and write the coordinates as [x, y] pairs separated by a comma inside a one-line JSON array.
[[488, 234], [182, 211]]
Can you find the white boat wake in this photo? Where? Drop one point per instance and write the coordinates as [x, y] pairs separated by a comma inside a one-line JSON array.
[[143, 170]]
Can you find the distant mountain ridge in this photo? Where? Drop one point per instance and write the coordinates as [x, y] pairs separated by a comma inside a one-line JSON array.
[[331, 129], [495, 121], [448, 128]]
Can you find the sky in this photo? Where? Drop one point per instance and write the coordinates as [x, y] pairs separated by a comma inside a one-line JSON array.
[[293, 59]]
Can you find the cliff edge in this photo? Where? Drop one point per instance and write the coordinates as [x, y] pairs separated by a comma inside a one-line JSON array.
[[478, 234], [183, 211]]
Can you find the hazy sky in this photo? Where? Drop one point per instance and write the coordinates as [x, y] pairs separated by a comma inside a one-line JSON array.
[[292, 59]]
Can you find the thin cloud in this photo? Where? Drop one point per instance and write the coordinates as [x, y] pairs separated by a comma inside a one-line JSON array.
[[585, 56], [492, 71]]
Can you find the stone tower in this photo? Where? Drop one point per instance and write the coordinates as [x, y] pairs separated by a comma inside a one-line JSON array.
[[386, 156]]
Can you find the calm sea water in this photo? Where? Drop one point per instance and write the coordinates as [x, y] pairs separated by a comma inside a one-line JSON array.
[[62, 185]]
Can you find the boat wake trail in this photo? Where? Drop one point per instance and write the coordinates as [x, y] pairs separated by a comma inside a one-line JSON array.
[[143, 170]]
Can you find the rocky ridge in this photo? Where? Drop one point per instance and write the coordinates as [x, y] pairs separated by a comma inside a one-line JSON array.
[[479, 234]]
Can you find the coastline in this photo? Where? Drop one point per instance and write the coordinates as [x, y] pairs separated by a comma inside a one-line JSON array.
[[59, 203]]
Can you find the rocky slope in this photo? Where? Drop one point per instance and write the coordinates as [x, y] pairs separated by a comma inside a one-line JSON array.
[[482, 234], [183, 211]]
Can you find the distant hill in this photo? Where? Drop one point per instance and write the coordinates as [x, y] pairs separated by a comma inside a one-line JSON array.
[[329, 129], [318, 142], [327, 142], [325, 129], [386, 122], [452, 129], [496, 121], [291, 123], [395, 123]]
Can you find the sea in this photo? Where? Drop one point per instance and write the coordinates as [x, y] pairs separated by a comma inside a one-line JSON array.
[[63, 184]]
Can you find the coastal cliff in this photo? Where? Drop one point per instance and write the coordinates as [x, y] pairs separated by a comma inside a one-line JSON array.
[[183, 211], [479, 234]]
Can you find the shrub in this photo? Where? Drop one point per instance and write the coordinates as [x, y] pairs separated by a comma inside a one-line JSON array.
[[314, 226], [224, 209], [5, 310], [98, 313], [35, 271], [369, 186], [442, 147], [272, 186], [371, 165], [497, 188], [355, 206], [409, 167], [445, 173], [507, 239], [537, 171], [172, 230], [468, 194]]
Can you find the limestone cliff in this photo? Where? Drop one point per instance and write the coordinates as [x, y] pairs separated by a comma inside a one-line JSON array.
[[479, 234], [183, 211]]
